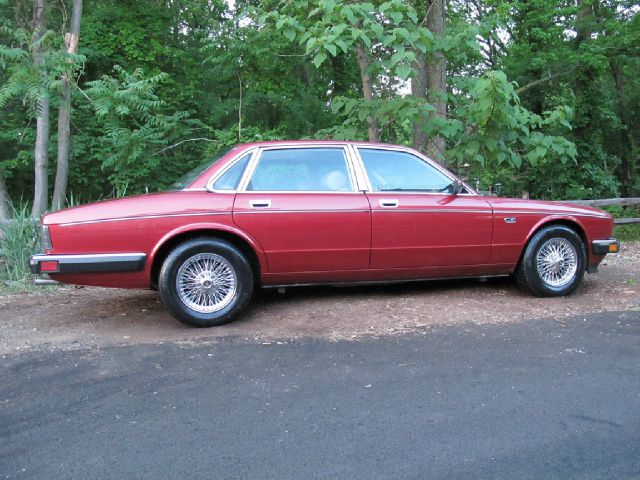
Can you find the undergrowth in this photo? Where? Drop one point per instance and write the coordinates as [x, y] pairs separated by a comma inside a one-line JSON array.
[[19, 239]]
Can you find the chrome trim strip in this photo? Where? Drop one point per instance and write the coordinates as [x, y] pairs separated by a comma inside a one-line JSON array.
[[243, 212], [429, 210], [87, 257], [141, 217], [363, 178], [548, 213]]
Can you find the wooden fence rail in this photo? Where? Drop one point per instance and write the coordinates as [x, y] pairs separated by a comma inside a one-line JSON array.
[[612, 202]]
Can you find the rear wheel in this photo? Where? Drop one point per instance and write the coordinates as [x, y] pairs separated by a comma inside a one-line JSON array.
[[205, 282], [553, 263]]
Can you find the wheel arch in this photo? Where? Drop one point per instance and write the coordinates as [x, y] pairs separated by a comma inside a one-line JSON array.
[[569, 222], [245, 244]]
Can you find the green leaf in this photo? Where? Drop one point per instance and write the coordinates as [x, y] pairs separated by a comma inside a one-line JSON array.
[[319, 59], [396, 17], [342, 44], [332, 49], [403, 71]]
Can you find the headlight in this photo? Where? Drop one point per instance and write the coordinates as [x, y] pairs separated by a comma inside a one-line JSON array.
[[46, 238]]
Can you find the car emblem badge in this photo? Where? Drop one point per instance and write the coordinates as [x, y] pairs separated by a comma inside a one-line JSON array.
[[510, 220]]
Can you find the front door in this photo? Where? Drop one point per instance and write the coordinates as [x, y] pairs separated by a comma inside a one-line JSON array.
[[302, 207], [416, 220]]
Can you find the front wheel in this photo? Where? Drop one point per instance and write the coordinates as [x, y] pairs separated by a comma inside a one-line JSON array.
[[553, 263], [205, 282]]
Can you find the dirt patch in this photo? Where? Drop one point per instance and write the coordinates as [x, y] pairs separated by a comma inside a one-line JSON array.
[[69, 318]]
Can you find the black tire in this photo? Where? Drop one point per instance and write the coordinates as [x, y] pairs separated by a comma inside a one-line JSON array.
[[528, 274], [233, 262]]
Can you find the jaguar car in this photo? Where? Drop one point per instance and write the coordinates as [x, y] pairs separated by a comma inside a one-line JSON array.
[[282, 213]]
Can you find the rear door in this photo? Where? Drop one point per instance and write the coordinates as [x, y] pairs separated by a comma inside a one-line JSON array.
[[416, 221], [302, 206]]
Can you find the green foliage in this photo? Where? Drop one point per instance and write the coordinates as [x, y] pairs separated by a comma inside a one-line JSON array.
[[530, 103], [630, 232], [19, 240], [493, 127], [135, 128]]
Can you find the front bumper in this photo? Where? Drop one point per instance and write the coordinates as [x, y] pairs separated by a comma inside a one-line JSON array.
[[87, 263], [602, 247]]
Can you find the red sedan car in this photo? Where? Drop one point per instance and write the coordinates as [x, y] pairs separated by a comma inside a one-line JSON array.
[[291, 213]]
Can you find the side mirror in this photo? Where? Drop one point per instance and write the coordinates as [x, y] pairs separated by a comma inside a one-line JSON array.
[[456, 187]]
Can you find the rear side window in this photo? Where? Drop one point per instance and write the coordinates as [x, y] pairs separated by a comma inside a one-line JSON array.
[[230, 179], [300, 170]]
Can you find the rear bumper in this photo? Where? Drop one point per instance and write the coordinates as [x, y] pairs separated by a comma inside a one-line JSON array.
[[602, 247], [87, 263]]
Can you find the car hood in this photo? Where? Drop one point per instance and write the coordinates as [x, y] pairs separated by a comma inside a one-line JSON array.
[[152, 204], [545, 207]]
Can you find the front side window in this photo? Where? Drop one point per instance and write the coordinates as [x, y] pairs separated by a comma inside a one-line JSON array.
[[230, 179], [301, 169], [393, 171]]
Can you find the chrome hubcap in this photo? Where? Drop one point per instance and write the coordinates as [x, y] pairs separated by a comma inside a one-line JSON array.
[[206, 283], [557, 262]]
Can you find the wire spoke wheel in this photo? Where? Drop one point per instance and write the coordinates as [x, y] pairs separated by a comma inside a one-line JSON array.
[[557, 262], [206, 282]]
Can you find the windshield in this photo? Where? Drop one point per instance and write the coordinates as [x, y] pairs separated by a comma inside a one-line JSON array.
[[189, 177]]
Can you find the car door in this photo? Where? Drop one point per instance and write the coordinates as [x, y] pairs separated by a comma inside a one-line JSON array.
[[416, 220], [302, 206]]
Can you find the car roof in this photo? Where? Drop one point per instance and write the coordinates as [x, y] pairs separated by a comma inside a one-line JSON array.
[[315, 142]]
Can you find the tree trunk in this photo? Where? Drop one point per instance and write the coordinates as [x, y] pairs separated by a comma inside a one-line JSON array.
[[419, 92], [367, 90], [436, 76], [64, 114], [583, 82], [5, 213], [40, 194]]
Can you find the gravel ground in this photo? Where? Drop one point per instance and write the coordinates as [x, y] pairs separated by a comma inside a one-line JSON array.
[[70, 318]]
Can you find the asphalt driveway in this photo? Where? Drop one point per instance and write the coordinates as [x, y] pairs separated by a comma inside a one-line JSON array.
[[541, 399]]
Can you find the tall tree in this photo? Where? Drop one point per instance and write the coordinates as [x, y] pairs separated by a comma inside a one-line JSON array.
[[436, 73], [64, 111], [40, 195], [367, 91]]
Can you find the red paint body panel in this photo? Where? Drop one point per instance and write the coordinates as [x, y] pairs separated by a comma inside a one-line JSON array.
[[427, 230], [510, 239], [321, 237], [308, 231]]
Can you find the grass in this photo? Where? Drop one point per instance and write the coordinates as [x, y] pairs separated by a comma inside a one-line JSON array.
[[19, 240], [626, 233]]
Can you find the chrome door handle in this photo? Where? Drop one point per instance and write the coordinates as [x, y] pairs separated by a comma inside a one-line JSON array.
[[260, 203], [388, 203]]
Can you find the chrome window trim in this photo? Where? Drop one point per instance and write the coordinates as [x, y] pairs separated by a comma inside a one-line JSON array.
[[253, 164], [231, 163], [361, 175], [415, 153]]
